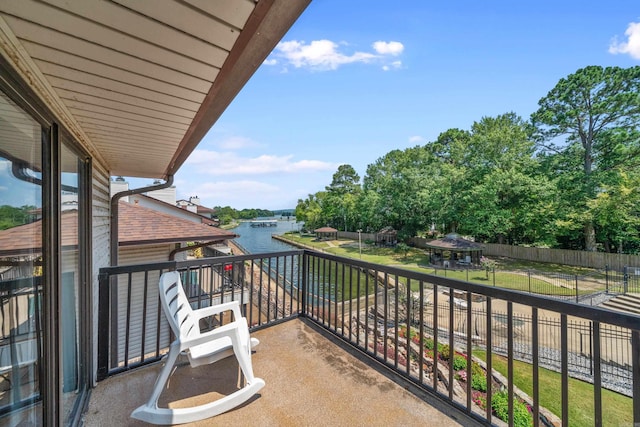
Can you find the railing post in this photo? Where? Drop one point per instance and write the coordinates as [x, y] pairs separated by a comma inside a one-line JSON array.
[[104, 308], [606, 279], [304, 284], [494, 276], [577, 300], [529, 277], [635, 356], [591, 348], [625, 279]]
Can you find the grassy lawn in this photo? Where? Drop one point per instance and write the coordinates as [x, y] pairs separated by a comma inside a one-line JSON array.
[[515, 264], [417, 260], [617, 409]]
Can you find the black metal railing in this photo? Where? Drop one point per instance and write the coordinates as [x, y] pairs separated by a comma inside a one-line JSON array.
[[132, 330], [447, 337], [20, 342]]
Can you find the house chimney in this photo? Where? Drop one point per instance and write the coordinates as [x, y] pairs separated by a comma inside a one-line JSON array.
[[195, 200], [117, 185]]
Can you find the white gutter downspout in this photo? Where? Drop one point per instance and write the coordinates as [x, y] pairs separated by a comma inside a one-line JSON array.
[[114, 213], [113, 291]]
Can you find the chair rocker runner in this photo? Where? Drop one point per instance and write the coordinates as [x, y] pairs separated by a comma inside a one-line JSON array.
[[201, 348]]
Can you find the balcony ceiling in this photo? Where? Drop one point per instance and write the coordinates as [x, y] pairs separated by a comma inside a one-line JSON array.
[[139, 83]]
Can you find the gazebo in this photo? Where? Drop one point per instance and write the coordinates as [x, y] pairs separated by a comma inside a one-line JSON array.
[[327, 233], [453, 250], [387, 237]]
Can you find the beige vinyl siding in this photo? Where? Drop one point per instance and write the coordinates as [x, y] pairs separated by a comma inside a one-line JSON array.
[[100, 218], [154, 315]]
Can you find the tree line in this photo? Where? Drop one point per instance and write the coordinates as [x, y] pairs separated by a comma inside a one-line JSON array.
[[567, 177], [226, 214], [11, 216]]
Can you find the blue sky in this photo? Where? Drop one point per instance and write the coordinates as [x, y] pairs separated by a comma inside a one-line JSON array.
[[353, 80]]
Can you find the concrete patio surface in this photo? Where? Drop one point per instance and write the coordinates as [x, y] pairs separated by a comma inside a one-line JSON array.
[[310, 381]]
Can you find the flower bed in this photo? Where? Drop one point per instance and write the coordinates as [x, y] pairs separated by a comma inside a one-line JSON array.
[[522, 411]]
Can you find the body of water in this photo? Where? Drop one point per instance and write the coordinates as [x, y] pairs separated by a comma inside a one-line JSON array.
[[258, 240]]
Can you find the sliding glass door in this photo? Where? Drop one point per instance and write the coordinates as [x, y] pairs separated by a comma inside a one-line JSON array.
[[21, 267], [45, 249]]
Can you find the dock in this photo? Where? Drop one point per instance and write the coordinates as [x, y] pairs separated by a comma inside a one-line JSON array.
[[264, 223]]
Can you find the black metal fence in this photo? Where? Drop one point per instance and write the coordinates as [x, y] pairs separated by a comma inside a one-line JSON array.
[[388, 314], [615, 343], [623, 281], [577, 287]]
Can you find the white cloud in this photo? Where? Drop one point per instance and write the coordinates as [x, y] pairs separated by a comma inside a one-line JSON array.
[[631, 46], [388, 48], [319, 54], [229, 188], [237, 194], [416, 139], [324, 55], [237, 143], [227, 163], [393, 65]]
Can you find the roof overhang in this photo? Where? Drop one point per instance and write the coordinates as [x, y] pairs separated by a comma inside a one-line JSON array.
[[138, 83]]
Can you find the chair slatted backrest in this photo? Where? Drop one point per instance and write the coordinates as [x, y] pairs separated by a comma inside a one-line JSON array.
[[176, 305]]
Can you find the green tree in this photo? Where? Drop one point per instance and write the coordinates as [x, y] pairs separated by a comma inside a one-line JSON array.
[[447, 179], [616, 213], [403, 248], [310, 210], [225, 214], [345, 181], [11, 216], [502, 184], [342, 196], [597, 112], [368, 208], [401, 184]]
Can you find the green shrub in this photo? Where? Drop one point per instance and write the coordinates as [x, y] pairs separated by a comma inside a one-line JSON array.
[[479, 399], [479, 382], [444, 352], [521, 415], [429, 344], [459, 362], [403, 333], [476, 369]]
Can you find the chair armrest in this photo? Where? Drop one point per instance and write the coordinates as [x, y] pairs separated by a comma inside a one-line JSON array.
[[220, 332], [233, 306]]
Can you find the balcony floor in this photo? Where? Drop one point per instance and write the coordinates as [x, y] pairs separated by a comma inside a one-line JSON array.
[[310, 380]]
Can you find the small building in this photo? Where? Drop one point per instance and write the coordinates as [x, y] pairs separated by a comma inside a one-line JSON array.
[[454, 250], [326, 233], [387, 237]]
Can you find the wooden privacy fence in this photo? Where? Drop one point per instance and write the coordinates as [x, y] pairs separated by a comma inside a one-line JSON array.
[[353, 235], [559, 256], [564, 256]]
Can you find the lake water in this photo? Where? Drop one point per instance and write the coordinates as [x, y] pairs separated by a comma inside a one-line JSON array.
[[256, 240]]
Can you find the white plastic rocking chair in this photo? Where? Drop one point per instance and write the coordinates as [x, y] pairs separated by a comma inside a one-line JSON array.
[[201, 348]]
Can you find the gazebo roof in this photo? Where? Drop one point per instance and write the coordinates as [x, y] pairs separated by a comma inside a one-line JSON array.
[[387, 230], [325, 230], [453, 241]]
